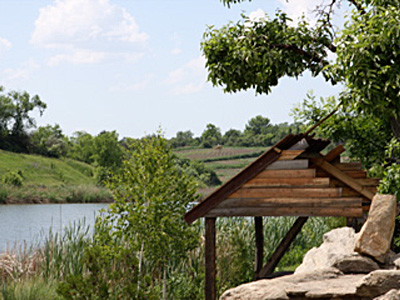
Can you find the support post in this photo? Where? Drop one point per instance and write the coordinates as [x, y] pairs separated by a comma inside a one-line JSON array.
[[259, 254], [283, 247], [210, 254]]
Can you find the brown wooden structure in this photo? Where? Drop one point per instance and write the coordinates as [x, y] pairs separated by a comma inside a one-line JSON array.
[[292, 178]]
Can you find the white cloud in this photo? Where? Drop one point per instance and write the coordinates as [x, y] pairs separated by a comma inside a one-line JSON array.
[[296, 8], [176, 51], [23, 72], [4, 45], [134, 86], [69, 22], [177, 41], [189, 79], [88, 31]]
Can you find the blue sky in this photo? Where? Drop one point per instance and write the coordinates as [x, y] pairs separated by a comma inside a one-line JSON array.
[[134, 65]]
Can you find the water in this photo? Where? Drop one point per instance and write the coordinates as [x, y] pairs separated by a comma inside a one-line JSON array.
[[28, 223]]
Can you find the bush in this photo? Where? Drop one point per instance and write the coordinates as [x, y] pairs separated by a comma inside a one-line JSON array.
[[14, 178]]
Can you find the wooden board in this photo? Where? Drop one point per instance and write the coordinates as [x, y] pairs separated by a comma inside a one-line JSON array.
[[343, 177], [292, 202], [334, 153], [288, 164], [290, 154], [368, 182], [286, 211], [286, 192], [348, 192], [358, 174], [352, 166], [210, 258], [288, 182], [287, 173]]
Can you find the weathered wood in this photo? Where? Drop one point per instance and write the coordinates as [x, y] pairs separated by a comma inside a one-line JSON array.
[[334, 153], [290, 154], [286, 192], [352, 166], [259, 253], [231, 186], [292, 202], [367, 182], [210, 257], [343, 177], [358, 174], [348, 192], [283, 247], [286, 211], [288, 182], [288, 164], [287, 173]]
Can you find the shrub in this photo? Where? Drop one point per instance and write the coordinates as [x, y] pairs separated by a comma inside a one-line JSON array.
[[14, 178]]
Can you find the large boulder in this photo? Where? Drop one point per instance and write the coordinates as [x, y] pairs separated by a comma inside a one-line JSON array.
[[391, 295], [337, 251], [376, 234]]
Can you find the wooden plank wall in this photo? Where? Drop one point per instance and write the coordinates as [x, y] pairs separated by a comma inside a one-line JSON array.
[[298, 187]]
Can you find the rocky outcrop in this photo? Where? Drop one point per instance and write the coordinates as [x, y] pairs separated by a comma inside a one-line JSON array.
[[335, 270], [376, 234]]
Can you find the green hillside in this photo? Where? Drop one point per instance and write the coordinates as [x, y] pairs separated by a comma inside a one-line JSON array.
[[44, 171], [48, 180]]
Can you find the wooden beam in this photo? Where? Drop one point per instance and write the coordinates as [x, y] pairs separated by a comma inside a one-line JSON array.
[[287, 192], [327, 202], [288, 182], [343, 177], [210, 257], [334, 153], [287, 173], [288, 165], [290, 154], [301, 211], [259, 254], [282, 248]]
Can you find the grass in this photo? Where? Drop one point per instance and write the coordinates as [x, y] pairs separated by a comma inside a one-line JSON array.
[[43, 171]]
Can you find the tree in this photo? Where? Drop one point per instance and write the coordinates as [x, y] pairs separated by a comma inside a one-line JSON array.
[[257, 54], [211, 136], [232, 137], [15, 118], [142, 237], [183, 138], [49, 141]]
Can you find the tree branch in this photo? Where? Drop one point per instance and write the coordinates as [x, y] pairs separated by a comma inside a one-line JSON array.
[[358, 6]]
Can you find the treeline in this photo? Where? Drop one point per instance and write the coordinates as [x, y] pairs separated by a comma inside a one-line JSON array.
[[18, 133], [258, 132]]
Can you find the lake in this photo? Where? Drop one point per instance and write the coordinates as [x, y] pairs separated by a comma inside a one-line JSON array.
[[31, 222]]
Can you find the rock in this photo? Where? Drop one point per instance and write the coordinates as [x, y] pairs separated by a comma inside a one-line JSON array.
[[378, 283], [337, 252], [275, 289], [391, 295], [355, 264], [376, 234]]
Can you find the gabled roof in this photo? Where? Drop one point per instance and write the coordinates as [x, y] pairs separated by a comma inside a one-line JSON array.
[[296, 145]]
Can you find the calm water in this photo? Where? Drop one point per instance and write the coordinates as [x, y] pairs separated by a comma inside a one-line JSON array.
[[19, 223]]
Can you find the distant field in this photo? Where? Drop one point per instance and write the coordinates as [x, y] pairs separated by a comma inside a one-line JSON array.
[[226, 162]]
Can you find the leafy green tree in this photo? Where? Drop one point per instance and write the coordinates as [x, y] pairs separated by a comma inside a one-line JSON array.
[[257, 125], [142, 237], [82, 147], [183, 138], [211, 136], [49, 141], [15, 118], [257, 54], [232, 137]]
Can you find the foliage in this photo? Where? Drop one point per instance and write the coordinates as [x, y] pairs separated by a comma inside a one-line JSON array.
[[49, 141], [257, 54], [183, 138], [32, 289], [15, 119], [14, 178], [364, 137], [211, 136], [143, 231], [198, 170]]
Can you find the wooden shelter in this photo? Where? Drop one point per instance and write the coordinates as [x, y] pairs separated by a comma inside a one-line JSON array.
[[292, 178]]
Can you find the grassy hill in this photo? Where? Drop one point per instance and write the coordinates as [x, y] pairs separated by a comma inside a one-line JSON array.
[[49, 180]]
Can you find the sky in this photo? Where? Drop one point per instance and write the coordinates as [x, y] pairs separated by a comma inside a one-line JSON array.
[[135, 66]]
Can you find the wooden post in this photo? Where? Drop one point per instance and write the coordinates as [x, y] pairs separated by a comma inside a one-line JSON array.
[[210, 254], [282, 248], [259, 255]]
